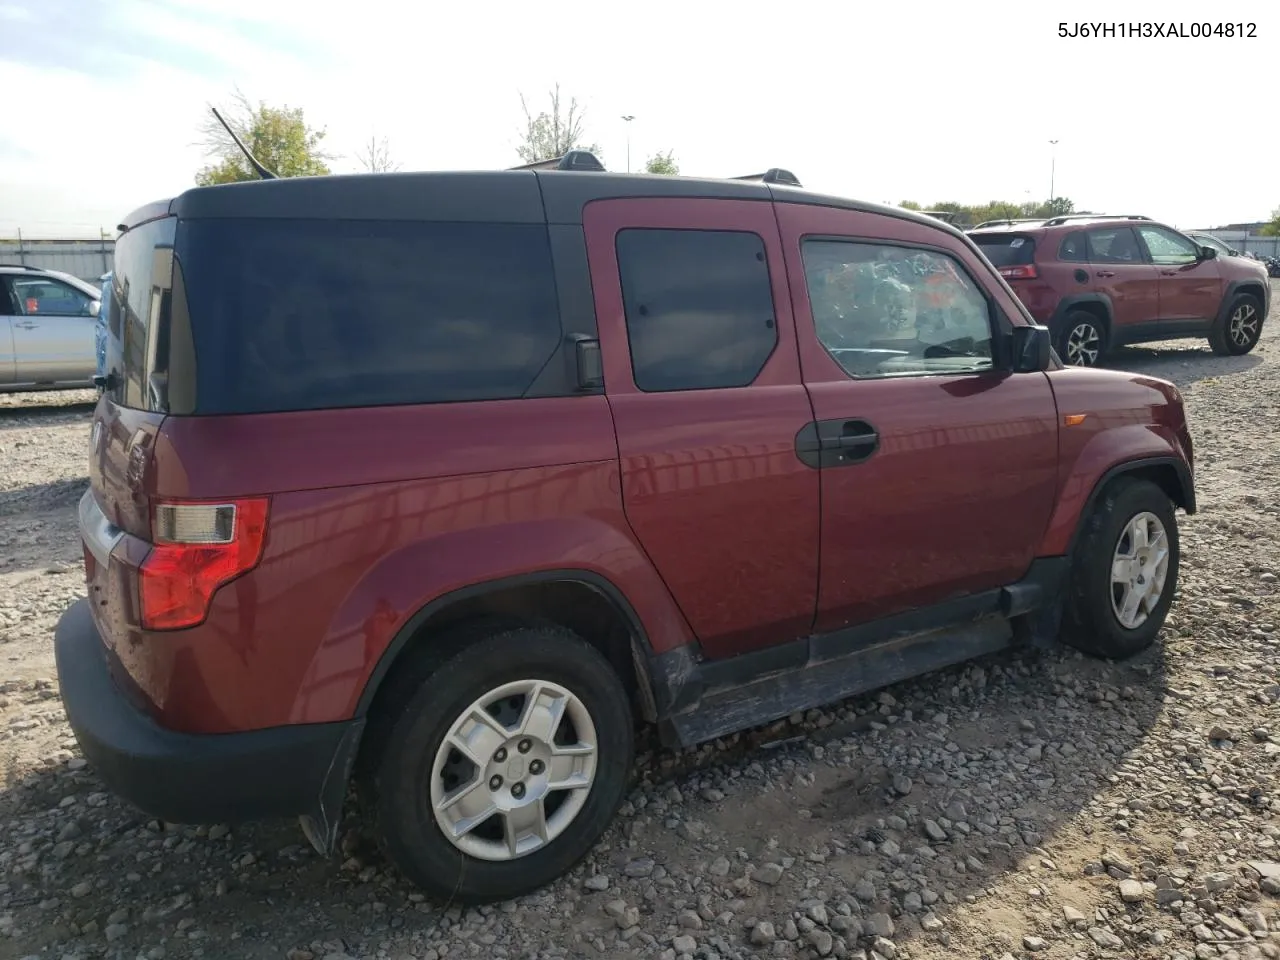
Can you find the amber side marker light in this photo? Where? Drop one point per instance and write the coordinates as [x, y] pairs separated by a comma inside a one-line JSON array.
[[1073, 419]]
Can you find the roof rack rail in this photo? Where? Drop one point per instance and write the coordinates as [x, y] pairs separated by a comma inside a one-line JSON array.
[[573, 160], [1005, 223], [22, 266], [773, 175], [1059, 221]]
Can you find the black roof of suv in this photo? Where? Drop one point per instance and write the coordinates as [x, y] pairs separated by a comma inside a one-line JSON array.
[[521, 195]]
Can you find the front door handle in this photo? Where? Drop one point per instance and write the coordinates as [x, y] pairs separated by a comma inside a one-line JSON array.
[[836, 443], [1169, 273], [28, 325], [857, 440]]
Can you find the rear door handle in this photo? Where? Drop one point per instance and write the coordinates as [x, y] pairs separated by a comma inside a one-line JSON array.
[[1106, 273], [836, 443], [28, 325], [1169, 273]]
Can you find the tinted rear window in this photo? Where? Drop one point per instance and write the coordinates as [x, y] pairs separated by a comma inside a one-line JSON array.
[[137, 327], [1006, 250], [699, 306], [313, 314]]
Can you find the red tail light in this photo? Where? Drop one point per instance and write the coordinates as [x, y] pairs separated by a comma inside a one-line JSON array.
[[1021, 272], [199, 547]]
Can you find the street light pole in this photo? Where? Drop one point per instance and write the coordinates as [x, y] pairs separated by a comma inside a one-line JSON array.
[[628, 118], [1053, 164]]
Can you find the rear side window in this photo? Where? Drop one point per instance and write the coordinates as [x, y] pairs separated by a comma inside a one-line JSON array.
[[1004, 250], [699, 307], [138, 324], [1074, 248], [1114, 245], [315, 314]]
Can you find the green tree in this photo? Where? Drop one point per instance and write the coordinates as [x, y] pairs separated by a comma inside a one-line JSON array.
[[1005, 210], [995, 210], [968, 214], [553, 133], [963, 213], [663, 164], [278, 136], [1060, 207], [1272, 229]]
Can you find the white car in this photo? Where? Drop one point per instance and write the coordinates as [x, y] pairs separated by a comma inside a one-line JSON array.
[[1209, 240], [47, 337]]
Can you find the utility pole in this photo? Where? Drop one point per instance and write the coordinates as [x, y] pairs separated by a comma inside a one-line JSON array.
[[1053, 163], [628, 118]]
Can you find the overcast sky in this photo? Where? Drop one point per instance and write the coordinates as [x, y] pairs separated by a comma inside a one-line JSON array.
[[879, 101]]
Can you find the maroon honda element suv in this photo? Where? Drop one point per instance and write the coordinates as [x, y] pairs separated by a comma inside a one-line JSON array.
[[441, 483]]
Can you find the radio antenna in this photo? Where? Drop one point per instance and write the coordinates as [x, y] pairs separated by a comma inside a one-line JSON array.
[[263, 172]]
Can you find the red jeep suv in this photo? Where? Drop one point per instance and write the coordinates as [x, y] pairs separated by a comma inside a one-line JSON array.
[[444, 481], [1101, 282]]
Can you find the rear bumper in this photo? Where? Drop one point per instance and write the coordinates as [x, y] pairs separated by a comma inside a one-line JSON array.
[[198, 778]]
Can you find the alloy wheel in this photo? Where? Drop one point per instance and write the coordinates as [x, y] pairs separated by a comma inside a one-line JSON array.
[[1084, 343], [1243, 325], [514, 770], [1139, 570]]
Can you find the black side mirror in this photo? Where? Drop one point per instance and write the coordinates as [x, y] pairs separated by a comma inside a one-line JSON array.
[[1031, 349], [1208, 253]]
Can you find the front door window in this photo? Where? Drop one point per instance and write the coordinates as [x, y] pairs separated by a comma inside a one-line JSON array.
[[885, 311], [42, 297], [1168, 248]]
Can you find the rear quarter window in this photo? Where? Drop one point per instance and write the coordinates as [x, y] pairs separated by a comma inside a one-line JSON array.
[[1005, 250], [311, 314], [1074, 248], [137, 324]]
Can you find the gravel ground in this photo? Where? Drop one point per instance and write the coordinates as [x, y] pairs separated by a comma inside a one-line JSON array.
[[1031, 803]]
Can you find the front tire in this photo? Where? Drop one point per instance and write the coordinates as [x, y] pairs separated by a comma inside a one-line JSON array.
[[1124, 571], [1240, 329], [502, 763], [1083, 340]]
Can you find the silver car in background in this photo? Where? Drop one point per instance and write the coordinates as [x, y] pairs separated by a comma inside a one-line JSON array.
[[1209, 240], [47, 337]]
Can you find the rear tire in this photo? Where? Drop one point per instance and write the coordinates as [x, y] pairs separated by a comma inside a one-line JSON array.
[[1083, 340], [1240, 328], [535, 786], [1124, 571]]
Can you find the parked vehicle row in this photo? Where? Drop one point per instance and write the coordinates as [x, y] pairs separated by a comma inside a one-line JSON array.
[[1099, 282], [600, 448], [47, 321]]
